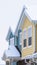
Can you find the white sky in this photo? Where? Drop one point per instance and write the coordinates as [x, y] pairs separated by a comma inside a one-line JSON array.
[[10, 11]]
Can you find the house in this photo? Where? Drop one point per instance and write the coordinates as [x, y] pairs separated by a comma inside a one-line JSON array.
[[24, 40], [12, 54], [26, 32]]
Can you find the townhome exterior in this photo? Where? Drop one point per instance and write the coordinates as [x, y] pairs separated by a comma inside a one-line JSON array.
[[27, 36], [28, 44], [25, 40], [12, 54]]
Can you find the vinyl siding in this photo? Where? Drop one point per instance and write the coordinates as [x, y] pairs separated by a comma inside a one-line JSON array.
[[28, 50]]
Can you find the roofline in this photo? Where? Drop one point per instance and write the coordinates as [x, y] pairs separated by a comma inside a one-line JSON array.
[[8, 33], [24, 12], [31, 20], [20, 18]]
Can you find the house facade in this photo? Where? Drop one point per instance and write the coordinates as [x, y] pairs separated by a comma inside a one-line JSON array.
[[28, 41], [27, 37], [24, 40], [12, 54]]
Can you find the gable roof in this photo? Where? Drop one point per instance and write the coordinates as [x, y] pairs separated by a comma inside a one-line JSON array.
[[24, 14], [20, 21], [9, 34], [31, 20]]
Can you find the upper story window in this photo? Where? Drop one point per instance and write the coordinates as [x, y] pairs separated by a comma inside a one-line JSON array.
[[29, 36], [12, 41], [20, 38], [25, 40], [16, 40]]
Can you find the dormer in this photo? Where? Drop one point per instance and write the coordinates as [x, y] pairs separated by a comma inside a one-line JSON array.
[[10, 37]]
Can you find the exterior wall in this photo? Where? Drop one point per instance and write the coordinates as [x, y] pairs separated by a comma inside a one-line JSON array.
[[29, 49], [36, 38]]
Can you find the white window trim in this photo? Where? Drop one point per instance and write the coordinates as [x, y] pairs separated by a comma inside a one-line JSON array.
[[31, 44], [29, 27], [23, 38], [24, 47], [12, 41], [24, 31]]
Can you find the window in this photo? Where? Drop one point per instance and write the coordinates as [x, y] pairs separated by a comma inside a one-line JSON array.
[[20, 38], [25, 40], [30, 40], [12, 41], [16, 40], [29, 36]]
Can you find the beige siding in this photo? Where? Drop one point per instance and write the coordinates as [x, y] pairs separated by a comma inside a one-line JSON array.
[[28, 50]]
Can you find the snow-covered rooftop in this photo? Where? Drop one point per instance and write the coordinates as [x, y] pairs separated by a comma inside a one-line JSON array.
[[32, 12], [11, 52]]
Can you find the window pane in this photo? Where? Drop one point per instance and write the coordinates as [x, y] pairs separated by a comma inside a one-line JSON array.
[[16, 40], [24, 34], [30, 40], [25, 37], [30, 32], [24, 42], [12, 41], [20, 38]]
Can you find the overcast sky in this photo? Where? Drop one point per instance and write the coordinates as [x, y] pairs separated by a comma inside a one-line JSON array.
[[10, 11]]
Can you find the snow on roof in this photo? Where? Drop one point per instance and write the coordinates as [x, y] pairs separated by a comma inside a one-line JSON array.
[[12, 52], [9, 34], [35, 55], [32, 12]]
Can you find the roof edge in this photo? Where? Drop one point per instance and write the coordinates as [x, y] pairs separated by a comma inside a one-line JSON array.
[[20, 18]]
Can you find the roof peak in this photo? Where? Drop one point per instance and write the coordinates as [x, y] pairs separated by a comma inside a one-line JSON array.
[[9, 34]]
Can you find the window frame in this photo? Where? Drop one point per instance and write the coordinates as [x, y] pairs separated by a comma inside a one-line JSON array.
[[29, 37], [20, 39], [12, 41], [29, 44], [24, 45], [25, 38]]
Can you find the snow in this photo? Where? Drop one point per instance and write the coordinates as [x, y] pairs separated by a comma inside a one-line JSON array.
[[32, 12], [12, 52], [2, 62]]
